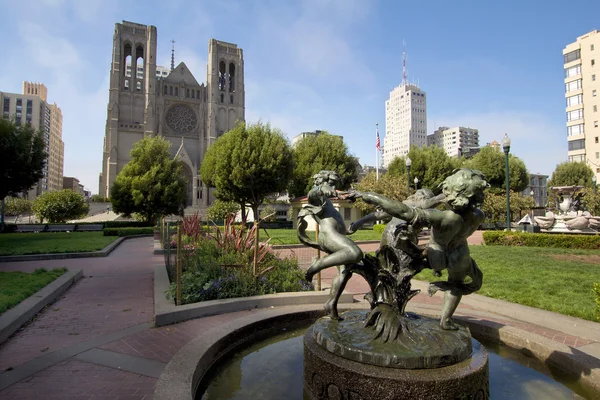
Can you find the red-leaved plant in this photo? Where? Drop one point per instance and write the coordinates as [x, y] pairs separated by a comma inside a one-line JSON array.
[[191, 226], [237, 239]]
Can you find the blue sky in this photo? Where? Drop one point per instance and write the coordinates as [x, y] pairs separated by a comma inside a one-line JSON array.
[[318, 64]]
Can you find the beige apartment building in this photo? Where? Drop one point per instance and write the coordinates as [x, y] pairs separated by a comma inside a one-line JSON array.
[[582, 92], [32, 107], [457, 141]]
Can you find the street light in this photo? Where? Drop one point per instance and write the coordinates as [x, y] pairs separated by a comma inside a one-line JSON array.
[[416, 183], [408, 164], [506, 147], [594, 181]]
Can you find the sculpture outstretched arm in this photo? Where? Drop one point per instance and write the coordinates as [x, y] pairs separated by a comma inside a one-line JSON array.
[[392, 207], [376, 216]]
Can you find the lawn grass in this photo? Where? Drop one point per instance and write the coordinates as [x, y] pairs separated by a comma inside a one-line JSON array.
[[12, 244], [17, 286], [290, 236], [557, 280]]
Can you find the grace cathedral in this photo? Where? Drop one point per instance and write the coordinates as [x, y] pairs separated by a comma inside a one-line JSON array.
[[148, 100]]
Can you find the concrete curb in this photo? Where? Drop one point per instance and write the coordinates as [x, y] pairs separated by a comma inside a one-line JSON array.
[[184, 373], [61, 256], [13, 319], [166, 312]]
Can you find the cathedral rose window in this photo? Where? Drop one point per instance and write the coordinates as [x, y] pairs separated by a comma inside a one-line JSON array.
[[181, 119]]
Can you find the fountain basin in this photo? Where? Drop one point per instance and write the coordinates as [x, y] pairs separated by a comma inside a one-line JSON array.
[[183, 374]]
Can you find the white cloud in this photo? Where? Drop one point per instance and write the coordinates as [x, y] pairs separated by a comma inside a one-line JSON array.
[[47, 50], [541, 144]]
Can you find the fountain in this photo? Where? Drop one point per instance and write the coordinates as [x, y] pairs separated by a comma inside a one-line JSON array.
[[386, 352], [569, 215]]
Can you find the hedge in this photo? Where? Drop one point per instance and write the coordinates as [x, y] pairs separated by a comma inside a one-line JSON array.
[[10, 228], [148, 230], [563, 241], [378, 228], [125, 224]]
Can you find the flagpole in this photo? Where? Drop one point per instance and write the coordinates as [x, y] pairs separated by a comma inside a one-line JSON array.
[[377, 152]]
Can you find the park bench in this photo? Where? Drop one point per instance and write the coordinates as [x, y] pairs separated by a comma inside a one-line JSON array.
[[30, 228], [60, 228], [90, 228]]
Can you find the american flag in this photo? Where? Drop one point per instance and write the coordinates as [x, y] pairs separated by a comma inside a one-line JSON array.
[[377, 141]]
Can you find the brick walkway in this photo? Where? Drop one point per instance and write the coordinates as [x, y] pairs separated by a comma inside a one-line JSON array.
[[97, 341]]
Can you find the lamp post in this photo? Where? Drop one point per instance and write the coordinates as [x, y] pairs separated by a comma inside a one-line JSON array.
[[408, 164], [506, 147], [416, 183], [594, 181]]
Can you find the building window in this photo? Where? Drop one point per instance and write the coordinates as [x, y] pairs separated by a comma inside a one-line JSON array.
[[577, 158], [176, 92], [138, 86], [573, 85], [594, 93], [597, 155], [572, 71], [591, 47], [575, 115], [593, 77], [593, 62], [595, 108], [187, 93], [576, 145], [574, 100], [572, 56], [596, 139], [6, 109], [596, 125], [347, 214], [575, 130]]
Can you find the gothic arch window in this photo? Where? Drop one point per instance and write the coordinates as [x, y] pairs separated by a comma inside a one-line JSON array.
[[176, 91], [139, 54], [126, 84], [197, 94], [231, 98], [187, 93], [231, 77], [222, 97], [171, 90], [165, 88], [138, 86], [222, 77], [193, 92], [127, 59]]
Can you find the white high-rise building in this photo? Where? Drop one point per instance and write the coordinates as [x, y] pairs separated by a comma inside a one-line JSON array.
[[582, 92], [405, 121], [456, 141]]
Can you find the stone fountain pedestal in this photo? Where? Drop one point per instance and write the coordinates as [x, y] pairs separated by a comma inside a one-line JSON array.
[[342, 361]]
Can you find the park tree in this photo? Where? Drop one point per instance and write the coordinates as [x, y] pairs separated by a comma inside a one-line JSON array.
[[494, 206], [393, 187], [493, 165], [151, 184], [219, 209], [17, 206], [247, 164], [572, 174], [22, 159], [60, 206], [321, 152], [431, 165]]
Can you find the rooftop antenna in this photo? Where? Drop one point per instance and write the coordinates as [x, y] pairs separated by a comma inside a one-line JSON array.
[[404, 63], [172, 54]]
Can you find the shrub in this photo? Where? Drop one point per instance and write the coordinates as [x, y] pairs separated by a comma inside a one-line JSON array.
[[125, 224], [60, 206], [97, 198], [191, 226], [567, 241], [128, 231], [378, 228], [10, 228], [268, 214], [597, 293]]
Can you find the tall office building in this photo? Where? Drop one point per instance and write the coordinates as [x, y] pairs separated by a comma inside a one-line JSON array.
[[582, 88], [170, 103], [456, 141], [405, 121], [31, 107]]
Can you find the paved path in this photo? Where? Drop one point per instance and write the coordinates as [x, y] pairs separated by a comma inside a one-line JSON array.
[[97, 341]]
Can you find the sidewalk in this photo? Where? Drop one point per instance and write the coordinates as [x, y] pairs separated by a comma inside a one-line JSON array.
[[97, 341]]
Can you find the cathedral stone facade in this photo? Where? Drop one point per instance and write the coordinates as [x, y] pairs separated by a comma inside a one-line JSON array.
[[146, 100]]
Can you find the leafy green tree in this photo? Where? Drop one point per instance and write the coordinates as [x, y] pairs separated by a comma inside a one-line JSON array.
[[321, 152], [248, 163], [493, 164], [17, 206], [98, 198], [23, 157], [572, 174], [60, 206], [431, 165], [494, 206], [151, 184], [268, 214], [219, 210], [393, 187]]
